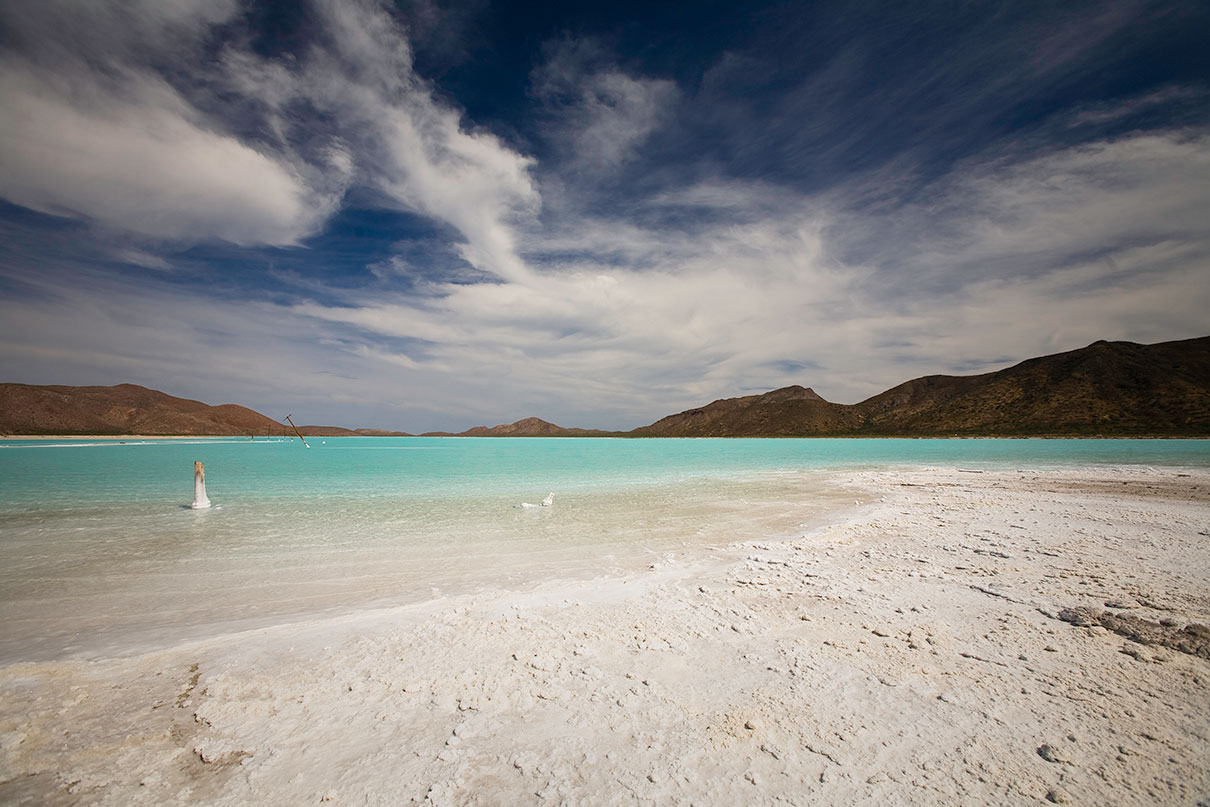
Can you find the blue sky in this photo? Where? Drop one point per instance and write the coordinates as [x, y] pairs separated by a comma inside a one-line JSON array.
[[425, 215]]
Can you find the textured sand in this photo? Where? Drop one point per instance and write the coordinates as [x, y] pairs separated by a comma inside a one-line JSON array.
[[966, 638]]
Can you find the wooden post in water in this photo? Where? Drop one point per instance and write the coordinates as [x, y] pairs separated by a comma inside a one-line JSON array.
[[296, 431], [200, 502]]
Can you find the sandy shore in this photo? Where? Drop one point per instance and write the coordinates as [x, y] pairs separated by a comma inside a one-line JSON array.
[[966, 638]]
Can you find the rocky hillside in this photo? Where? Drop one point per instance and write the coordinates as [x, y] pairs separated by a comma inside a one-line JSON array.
[[1110, 388], [1107, 388], [788, 412], [124, 409]]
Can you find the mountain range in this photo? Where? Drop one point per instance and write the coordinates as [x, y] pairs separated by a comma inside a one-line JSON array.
[[1106, 389]]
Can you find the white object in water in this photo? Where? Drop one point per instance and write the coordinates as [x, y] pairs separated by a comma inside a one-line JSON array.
[[547, 502], [200, 502]]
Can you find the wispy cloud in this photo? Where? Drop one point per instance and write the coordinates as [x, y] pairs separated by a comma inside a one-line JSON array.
[[1010, 214], [139, 159], [412, 147], [101, 134], [1163, 100], [597, 115], [844, 215], [137, 257], [1100, 241]]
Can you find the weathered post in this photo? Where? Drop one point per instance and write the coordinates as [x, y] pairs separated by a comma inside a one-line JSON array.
[[200, 502]]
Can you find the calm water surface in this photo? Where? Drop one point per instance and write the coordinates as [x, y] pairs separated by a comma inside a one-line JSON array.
[[100, 553]]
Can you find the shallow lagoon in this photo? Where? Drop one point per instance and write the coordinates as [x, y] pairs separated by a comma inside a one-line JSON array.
[[101, 555]]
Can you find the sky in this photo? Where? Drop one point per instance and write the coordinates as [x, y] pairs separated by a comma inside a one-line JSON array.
[[426, 215]]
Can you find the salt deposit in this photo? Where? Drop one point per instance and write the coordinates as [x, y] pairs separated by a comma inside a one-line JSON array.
[[947, 644]]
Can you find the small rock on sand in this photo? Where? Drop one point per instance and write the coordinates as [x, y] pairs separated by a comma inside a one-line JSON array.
[[1051, 753]]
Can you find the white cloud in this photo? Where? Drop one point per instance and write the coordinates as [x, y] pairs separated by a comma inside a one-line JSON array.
[[1021, 258], [1025, 217], [1107, 112], [142, 163], [97, 132], [585, 319], [105, 33], [89, 128], [731, 307], [397, 136], [718, 314], [1091, 196], [138, 257], [213, 349], [692, 327], [599, 114]]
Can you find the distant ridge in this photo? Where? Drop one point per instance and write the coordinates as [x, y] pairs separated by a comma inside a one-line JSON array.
[[1114, 389], [790, 411], [122, 409], [127, 409], [1111, 389], [526, 427], [339, 431]]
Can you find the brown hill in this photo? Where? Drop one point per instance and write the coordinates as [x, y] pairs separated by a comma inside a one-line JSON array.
[[326, 431], [340, 431], [527, 427], [1107, 388], [1110, 388], [123, 409], [788, 412]]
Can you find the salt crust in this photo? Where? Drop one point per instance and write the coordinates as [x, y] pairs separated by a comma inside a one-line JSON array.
[[911, 655]]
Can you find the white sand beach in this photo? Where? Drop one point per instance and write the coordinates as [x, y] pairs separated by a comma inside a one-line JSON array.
[[964, 637]]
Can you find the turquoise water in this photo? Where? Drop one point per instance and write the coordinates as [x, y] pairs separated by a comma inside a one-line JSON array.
[[100, 554], [67, 473]]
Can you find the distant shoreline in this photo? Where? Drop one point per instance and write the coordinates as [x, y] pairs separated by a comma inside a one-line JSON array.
[[259, 438], [622, 436]]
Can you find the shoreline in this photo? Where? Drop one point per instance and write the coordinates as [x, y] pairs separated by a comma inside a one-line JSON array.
[[915, 652], [619, 436], [141, 437]]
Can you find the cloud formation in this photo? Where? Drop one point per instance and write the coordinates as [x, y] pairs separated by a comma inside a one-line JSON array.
[[1098, 240], [597, 114], [231, 192], [101, 133], [411, 147], [90, 127], [140, 163]]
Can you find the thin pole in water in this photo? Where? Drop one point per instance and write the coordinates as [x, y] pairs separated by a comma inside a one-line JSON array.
[[296, 431]]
